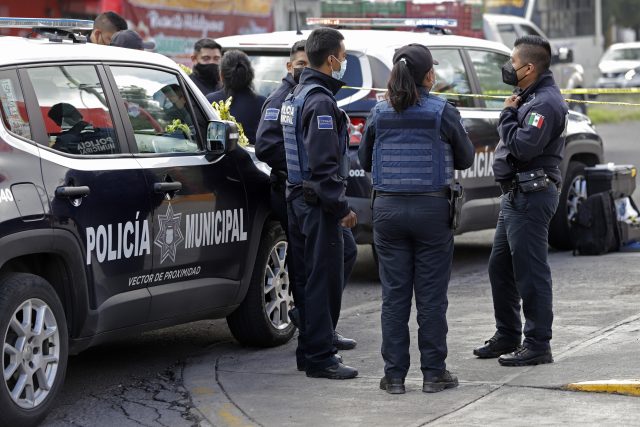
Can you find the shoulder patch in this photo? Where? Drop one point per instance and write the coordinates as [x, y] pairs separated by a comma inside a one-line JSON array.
[[325, 122], [536, 120], [271, 114]]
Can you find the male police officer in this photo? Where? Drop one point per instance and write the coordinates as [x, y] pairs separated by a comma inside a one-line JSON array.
[[315, 139], [270, 149], [105, 26], [207, 54], [531, 147]]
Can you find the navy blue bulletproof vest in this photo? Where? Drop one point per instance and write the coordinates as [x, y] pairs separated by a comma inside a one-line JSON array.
[[409, 155], [291, 121]]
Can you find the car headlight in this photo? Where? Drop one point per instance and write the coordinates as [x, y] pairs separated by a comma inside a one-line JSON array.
[[630, 74]]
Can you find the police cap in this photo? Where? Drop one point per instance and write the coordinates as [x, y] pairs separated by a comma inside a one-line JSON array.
[[418, 58]]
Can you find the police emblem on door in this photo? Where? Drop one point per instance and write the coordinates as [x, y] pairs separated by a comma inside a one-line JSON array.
[[170, 235]]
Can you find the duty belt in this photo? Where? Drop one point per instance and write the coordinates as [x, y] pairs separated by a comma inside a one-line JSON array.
[[444, 193]]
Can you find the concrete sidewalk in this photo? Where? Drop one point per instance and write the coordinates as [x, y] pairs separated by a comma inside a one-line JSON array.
[[235, 386]]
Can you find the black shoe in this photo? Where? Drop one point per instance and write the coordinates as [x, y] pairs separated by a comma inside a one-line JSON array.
[[525, 356], [338, 371], [495, 347], [294, 316], [342, 343], [392, 385], [302, 364], [439, 382]]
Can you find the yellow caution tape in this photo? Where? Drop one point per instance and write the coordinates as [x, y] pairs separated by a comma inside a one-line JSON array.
[[501, 95]]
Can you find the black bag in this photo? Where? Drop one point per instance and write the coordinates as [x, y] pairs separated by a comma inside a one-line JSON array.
[[595, 229]]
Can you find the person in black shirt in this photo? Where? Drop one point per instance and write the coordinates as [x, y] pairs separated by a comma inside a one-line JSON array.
[[206, 57], [526, 165], [237, 79]]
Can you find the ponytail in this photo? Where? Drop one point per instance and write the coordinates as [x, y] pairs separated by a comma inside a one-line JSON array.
[[402, 90]]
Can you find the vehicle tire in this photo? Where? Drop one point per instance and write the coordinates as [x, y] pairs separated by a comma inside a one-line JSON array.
[[262, 319], [574, 191], [34, 336]]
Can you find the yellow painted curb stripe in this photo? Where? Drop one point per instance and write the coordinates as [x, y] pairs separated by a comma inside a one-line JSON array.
[[627, 387]]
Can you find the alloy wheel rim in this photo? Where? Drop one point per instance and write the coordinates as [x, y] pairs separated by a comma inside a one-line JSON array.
[[31, 353], [278, 298], [575, 196]]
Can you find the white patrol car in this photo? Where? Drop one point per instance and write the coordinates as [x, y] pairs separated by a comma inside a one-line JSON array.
[[124, 206], [466, 66]]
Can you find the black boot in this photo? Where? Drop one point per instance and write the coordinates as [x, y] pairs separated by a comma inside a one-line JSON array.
[[338, 371], [392, 385], [495, 347], [342, 343], [434, 383], [525, 356]]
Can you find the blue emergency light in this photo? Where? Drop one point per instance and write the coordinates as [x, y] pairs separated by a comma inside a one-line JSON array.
[[48, 23], [383, 22]]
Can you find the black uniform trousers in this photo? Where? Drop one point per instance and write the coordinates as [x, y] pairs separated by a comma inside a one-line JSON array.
[[518, 267], [279, 208], [317, 246], [414, 242]]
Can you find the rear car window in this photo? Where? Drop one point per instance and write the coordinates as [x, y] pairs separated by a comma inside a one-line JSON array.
[[74, 108], [488, 67], [451, 77], [12, 108], [159, 110], [271, 68]]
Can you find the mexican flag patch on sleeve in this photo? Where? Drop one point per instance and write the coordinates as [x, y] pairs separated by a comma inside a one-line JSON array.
[[536, 120]]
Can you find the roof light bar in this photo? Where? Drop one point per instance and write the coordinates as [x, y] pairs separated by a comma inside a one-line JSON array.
[[383, 22], [57, 24]]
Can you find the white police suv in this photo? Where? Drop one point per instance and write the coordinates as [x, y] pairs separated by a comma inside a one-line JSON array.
[[468, 66], [124, 206]]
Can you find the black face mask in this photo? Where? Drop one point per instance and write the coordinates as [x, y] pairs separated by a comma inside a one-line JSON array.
[[510, 74], [209, 72], [296, 74]]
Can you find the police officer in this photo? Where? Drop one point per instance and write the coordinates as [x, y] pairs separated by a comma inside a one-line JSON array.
[[531, 147], [206, 57], [412, 143], [270, 149], [315, 134]]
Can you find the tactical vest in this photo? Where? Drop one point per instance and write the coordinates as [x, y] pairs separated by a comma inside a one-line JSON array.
[[409, 155], [292, 128]]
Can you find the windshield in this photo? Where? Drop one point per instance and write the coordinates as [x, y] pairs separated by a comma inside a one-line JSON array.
[[270, 68], [625, 54]]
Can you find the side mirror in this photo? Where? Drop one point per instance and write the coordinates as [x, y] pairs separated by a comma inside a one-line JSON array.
[[222, 137]]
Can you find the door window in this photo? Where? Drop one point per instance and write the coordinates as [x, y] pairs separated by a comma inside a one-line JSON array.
[[75, 112], [488, 66], [451, 77], [159, 110], [12, 109]]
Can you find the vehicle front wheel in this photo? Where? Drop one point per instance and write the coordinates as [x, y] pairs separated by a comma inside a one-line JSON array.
[[574, 192], [262, 319], [35, 347]]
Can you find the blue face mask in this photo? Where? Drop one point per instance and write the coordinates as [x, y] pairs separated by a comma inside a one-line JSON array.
[[338, 75]]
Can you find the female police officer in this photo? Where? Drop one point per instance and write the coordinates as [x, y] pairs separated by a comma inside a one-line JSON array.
[[412, 143]]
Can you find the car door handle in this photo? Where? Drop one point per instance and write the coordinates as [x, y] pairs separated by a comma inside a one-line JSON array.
[[72, 192], [166, 187]]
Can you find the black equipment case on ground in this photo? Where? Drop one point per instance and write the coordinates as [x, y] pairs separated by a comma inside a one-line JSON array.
[[619, 178]]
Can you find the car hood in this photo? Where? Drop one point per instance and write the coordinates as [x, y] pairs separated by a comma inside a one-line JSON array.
[[617, 66]]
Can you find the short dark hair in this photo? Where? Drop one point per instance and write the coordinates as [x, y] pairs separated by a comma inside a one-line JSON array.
[[298, 46], [206, 44], [535, 50], [321, 44], [110, 21], [236, 70]]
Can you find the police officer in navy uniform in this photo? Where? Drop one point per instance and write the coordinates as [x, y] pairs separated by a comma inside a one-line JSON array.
[[315, 134], [412, 142], [270, 149], [531, 128]]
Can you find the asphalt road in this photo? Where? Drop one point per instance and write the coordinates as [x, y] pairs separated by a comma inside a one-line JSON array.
[[137, 380]]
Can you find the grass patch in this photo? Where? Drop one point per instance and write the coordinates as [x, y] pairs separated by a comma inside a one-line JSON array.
[[600, 115]]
